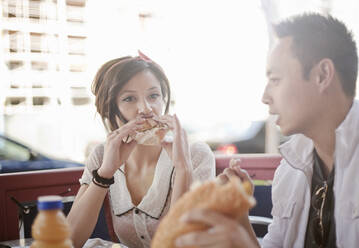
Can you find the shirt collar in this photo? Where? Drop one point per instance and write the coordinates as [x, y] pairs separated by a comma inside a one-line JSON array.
[[155, 199], [345, 137], [298, 151]]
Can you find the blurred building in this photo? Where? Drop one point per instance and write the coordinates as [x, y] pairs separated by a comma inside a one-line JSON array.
[[43, 45], [45, 80]]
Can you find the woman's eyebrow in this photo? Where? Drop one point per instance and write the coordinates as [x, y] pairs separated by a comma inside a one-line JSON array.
[[126, 91], [154, 88]]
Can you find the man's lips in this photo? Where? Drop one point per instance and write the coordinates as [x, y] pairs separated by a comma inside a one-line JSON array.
[[275, 118]]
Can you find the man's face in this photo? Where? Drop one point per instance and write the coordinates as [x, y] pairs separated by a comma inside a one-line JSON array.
[[292, 98]]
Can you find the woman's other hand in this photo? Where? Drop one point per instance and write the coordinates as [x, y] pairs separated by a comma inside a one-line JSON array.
[[178, 149], [180, 154], [117, 147]]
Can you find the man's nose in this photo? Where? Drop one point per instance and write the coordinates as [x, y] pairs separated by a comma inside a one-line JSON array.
[[266, 99]]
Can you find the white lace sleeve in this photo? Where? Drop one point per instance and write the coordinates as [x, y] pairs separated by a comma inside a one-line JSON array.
[[203, 162], [93, 162]]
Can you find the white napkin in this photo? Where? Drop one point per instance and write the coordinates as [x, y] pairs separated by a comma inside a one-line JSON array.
[[100, 243]]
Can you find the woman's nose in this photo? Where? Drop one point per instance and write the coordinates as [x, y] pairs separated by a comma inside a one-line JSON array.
[[144, 107]]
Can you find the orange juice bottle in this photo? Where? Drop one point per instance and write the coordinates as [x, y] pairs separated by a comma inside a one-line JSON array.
[[50, 228]]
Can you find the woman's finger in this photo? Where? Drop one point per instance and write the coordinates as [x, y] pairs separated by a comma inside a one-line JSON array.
[[177, 127], [129, 129], [168, 147], [168, 120]]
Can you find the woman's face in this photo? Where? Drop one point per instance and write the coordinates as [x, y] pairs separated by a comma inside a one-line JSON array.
[[141, 96]]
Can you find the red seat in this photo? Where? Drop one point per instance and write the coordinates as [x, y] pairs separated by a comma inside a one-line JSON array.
[[27, 186]]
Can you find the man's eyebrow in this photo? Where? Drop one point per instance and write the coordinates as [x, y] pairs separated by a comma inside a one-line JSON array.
[[272, 70]]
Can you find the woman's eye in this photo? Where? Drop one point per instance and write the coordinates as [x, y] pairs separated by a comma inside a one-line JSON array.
[[128, 99], [154, 96]]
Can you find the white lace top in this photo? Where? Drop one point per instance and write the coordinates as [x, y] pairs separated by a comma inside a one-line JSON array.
[[136, 225]]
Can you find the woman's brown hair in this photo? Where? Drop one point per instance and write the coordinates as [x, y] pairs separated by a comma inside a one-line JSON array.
[[110, 79]]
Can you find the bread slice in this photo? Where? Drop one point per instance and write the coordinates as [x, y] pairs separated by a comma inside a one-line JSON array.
[[232, 199], [151, 133]]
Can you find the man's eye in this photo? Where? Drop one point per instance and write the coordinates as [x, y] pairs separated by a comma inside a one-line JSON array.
[[154, 96], [128, 99], [274, 80]]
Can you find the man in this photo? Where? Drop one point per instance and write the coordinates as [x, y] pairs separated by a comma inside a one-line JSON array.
[[312, 72]]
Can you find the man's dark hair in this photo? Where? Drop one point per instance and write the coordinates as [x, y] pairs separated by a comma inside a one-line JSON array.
[[316, 37]]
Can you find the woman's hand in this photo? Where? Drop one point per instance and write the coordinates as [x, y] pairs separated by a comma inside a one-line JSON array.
[[117, 149], [178, 149], [223, 232], [181, 157]]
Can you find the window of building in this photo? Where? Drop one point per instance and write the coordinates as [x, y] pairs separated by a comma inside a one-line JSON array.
[[76, 45], [15, 65], [16, 41], [34, 9], [75, 14], [35, 40], [39, 65], [14, 100]]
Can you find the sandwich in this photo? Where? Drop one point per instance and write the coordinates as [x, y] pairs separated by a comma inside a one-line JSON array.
[[151, 133], [232, 199]]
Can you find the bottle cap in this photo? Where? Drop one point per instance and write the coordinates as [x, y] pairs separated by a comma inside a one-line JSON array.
[[49, 202]]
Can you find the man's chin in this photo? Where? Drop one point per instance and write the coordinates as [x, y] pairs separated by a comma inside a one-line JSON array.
[[285, 131], [288, 132]]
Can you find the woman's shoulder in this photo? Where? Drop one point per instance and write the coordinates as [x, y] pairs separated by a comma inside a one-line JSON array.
[[96, 154], [200, 151], [97, 149], [200, 147]]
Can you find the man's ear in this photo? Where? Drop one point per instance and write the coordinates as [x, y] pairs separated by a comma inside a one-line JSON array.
[[325, 74]]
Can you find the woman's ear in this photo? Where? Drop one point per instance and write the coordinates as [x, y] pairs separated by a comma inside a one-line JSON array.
[[325, 74]]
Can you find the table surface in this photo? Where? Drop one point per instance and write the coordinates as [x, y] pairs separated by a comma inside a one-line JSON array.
[[91, 243]]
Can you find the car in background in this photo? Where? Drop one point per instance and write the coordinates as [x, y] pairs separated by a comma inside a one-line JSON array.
[[251, 140], [234, 137], [16, 157]]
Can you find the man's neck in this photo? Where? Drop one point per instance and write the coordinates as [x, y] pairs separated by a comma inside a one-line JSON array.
[[324, 136], [327, 156]]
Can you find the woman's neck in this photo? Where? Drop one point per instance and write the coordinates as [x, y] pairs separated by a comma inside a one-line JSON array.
[[144, 156]]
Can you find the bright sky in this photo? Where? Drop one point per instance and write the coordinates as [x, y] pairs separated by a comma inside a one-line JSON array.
[[214, 57], [213, 52]]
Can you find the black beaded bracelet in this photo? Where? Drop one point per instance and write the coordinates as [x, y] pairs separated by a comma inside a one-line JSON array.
[[102, 180], [105, 186]]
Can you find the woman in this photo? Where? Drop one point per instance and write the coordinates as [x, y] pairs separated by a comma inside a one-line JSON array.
[[143, 181]]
